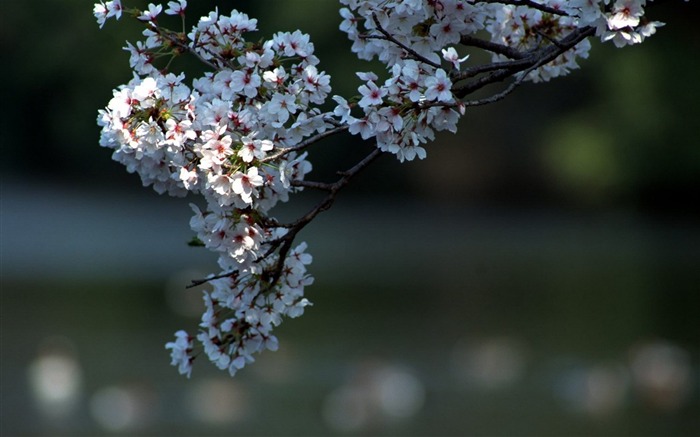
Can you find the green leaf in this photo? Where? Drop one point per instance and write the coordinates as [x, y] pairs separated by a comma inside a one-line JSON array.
[[195, 242]]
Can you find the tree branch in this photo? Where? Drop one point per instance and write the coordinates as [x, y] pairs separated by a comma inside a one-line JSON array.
[[294, 228], [503, 70], [304, 144], [500, 49], [333, 189], [530, 4], [521, 63], [500, 96], [284, 243]]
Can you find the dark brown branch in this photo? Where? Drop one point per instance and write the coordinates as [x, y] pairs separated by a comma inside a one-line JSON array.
[[487, 100], [294, 228], [513, 85], [479, 69], [304, 144], [529, 4], [333, 189], [523, 63], [507, 69], [195, 282], [493, 47], [311, 184]]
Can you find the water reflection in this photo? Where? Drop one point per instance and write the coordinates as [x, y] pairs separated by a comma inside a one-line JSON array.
[[217, 401], [662, 374], [539, 353], [595, 390], [376, 392], [123, 408], [658, 375], [56, 378], [490, 363]]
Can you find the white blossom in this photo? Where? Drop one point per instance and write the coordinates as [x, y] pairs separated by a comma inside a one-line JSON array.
[[176, 7], [151, 13], [245, 184]]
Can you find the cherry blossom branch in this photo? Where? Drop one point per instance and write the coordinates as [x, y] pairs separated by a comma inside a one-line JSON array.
[[523, 64], [487, 100], [508, 69], [288, 239], [284, 243], [294, 228], [513, 85], [233, 162]]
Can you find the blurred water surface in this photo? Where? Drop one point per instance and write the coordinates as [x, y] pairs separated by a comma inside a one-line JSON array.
[[428, 319]]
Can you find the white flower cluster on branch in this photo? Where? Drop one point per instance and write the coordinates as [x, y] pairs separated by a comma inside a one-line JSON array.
[[237, 135]]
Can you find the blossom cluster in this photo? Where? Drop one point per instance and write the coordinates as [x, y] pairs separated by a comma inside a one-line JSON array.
[[430, 27], [240, 315], [416, 40], [230, 138], [398, 114], [236, 135]]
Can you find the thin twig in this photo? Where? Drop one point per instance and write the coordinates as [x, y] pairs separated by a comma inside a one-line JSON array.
[[174, 39], [417, 56], [548, 38], [304, 144], [311, 184], [195, 282], [334, 188], [493, 47]]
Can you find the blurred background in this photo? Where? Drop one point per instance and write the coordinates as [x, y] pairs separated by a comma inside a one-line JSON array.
[[538, 274]]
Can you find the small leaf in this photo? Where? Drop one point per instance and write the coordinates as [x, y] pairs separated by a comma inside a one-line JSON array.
[[195, 242]]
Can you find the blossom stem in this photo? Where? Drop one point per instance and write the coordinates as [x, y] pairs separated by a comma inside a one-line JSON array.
[[304, 144], [503, 70], [179, 43], [287, 240], [410, 51]]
